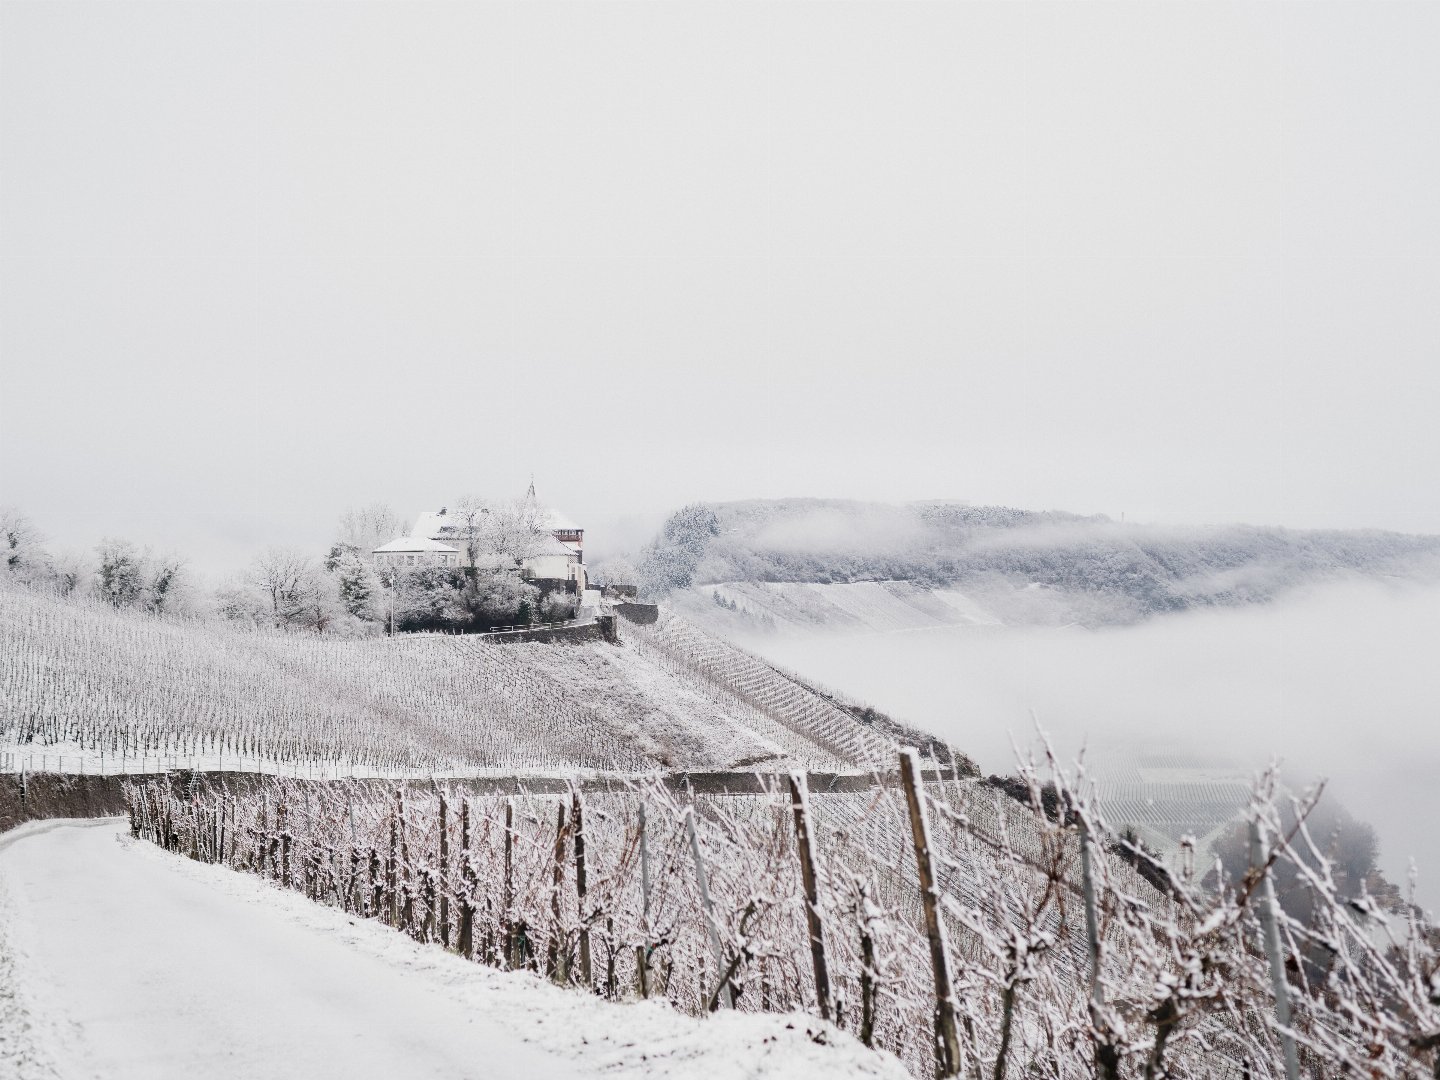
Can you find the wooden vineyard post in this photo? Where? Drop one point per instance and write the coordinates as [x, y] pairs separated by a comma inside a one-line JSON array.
[[466, 943], [1258, 860], [867, 970], [392, 879], [555, 959], [578, 825], [805, 842], [947, 1042], [1107, 1059], [262, 842], [282, 822], [444, 872], [508, 896], [723, 993], [642, 958], [407, 890]]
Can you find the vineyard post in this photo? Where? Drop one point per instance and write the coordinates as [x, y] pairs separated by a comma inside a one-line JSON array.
[[407, 906], [1258, 860], [709, 909], [391, 875], [262, 842], [555, 960], [643, 950], [805, 842], [947, 1042], [444, 872], [353, 899], [576, 815], [283, 823], [466, 942], [507, 925], [867, 961], [1107, 1057]]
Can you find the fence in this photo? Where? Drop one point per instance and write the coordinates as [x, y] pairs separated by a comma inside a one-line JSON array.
[[940, 921]]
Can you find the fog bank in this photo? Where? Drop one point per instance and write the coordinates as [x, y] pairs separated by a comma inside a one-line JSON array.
[[1339, 681]]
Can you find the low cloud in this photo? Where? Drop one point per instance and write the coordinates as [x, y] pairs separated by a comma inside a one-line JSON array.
[[1338, 681]]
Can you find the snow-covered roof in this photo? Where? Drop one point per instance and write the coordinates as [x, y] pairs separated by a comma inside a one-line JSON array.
[[551, 546], [413, 543], [555, 521], [448, 522]]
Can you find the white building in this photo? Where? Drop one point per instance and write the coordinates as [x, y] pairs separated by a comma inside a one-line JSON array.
[[556, 557], [416, 551]]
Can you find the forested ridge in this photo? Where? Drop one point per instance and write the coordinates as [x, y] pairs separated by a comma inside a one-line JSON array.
[[1131, 570]]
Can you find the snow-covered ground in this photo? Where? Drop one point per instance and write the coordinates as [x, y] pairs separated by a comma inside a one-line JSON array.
[[882, 607], [120, 960]]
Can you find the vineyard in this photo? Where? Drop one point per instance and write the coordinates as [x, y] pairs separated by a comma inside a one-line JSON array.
[[938, 920], [690, 654], [84, 686]]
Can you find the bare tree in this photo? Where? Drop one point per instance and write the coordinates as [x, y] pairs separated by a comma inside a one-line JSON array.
[[283, 574], [472, 516], [617, 572], [365, 528], [516, 531]]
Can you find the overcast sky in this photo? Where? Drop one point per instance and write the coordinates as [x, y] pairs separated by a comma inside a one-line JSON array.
[[262, 261]]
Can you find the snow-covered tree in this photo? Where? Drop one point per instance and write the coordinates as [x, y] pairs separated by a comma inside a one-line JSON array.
[[120, 573], [364, 528], [283, 575], [240, 600], [556, 607], [22, 551], [358, 587], [616, 572]]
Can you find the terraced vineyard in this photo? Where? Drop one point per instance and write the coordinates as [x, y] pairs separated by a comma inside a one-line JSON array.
[[1164, 796], [683, 648], [85, 681]]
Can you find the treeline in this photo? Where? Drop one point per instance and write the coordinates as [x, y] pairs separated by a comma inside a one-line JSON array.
[[342, 592], [1117, 572]]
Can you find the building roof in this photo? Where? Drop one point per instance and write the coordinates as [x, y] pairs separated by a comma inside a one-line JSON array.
[[550, 546], [449, 523], [433, 523], [555, 521], [413, 544]]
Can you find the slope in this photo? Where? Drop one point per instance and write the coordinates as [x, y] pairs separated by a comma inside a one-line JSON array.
[[84, 677]]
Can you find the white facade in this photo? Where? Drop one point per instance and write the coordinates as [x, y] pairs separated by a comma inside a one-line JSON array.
[[561, 556], [416, 551]]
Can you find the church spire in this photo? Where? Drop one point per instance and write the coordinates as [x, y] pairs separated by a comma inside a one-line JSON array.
[[530, 492]]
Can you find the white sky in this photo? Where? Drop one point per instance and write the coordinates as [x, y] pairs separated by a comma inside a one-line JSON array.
[[261, 261]]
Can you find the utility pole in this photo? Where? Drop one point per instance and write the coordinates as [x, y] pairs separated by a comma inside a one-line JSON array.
[[394, 577]]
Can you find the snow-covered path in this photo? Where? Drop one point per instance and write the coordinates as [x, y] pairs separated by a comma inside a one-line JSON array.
[[147, 973], [119, 960]]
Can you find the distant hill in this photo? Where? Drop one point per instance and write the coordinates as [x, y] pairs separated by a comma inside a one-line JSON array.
[[1004, 565]]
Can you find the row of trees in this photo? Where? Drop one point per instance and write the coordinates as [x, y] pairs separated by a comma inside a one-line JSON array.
[[342, 593], [119, 573]]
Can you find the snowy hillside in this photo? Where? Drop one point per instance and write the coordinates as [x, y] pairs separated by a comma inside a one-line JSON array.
[[81, 677], [1006, 565], [745, 607]]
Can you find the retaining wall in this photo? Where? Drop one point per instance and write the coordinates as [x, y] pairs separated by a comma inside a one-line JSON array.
[[57, 795]]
